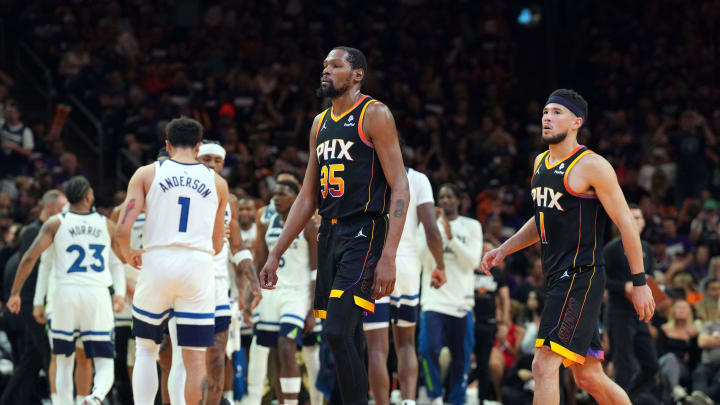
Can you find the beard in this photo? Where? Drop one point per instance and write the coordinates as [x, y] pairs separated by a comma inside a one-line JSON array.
[[332, 92], [554, 139]]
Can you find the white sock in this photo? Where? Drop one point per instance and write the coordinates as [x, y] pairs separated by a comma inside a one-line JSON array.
[[408, 402], [53, 398], [311, 357], [104, 377], [78, 400], [177, 376], [290, 386], [228, 395], [64, 379], [257, 371], [145, 378]]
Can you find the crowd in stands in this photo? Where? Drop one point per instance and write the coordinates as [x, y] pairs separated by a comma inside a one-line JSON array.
[[248, 71]]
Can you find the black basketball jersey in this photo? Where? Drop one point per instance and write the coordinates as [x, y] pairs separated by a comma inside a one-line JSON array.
[[351, 179], [571, 225]]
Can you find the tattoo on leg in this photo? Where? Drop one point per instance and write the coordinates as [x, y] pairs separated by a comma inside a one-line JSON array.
[[203, 390], [399, 208], [130, 206]]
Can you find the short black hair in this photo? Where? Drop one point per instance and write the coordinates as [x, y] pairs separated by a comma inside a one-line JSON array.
[[575, 98], [633, 206], [454, 187], [355, 57], [294, 187], [184, 132], [76, 188], [289, 173]]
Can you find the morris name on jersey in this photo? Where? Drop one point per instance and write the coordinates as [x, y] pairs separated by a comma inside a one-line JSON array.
[[78, 230], [187, 182]]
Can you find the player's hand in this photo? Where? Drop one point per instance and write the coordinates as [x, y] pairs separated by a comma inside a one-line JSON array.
[[437, 278], [118, 303], [309, 323], [492, 259], [13, 303], [39, 314], [254, 295], [643, 302], [247, 317], [268, 274], [134, 258], [444, 223], [384, 282]]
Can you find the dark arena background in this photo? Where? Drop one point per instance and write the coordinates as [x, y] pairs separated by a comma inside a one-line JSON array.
[[88, 86]]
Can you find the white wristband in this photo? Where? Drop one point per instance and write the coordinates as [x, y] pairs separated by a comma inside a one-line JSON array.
[[240, 256], [313, 275]]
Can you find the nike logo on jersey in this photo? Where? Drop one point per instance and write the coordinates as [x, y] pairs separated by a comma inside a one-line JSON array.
[[565, 274], [360, 234], [547, 197], [335, 149]]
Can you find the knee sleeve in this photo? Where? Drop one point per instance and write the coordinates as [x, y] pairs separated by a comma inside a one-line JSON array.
[[104, 377], [145, 379], [64, 379]]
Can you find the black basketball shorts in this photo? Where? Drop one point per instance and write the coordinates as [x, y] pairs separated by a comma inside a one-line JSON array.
[[569, 321], [348, 251]]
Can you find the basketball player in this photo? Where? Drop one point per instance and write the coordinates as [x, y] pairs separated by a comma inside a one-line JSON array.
[[42, 312], [233, 254], [446, 311], [401, 305], [573, 192], [185, 208], [82, 243], [358, 160], [285, 314]]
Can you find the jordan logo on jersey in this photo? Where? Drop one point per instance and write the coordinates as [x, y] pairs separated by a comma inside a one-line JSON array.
[[335, 149], [547, 197]]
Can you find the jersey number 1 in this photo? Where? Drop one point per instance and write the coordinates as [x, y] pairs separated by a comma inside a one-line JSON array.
[[184, 209]]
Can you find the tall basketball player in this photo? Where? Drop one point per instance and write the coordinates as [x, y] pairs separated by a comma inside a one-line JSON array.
[[574, 191], [82, 242], [355, 179], [185, 206]]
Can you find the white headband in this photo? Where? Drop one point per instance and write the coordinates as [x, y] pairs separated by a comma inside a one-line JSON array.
[[211, 149]]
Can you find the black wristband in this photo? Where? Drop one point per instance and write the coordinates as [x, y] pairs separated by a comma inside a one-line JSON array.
[[638, 279]]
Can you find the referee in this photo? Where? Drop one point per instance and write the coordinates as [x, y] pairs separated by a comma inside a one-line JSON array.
[[630, 338]]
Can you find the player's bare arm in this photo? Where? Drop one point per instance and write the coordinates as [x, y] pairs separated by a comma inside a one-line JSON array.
[[526, 236], [426, 214], [244, 269], [594, 173], [131, 208], [219, 229], [311, 235], [42, 241], [379, 125], [300, 213]]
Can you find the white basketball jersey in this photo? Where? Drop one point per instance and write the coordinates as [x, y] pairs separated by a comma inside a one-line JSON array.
[[221, 261], [181, 206], [249, 235], [268, 213], [294, 268], [82, 250], [420, 193]]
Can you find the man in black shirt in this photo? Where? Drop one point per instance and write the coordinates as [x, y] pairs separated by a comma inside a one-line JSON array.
[[487, 289], [629, 337], [36, 348]]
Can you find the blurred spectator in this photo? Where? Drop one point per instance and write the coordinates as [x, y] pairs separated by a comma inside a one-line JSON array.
[[69, 168], [706, 374], [676, 339], [705, 228], [17, 141], [675, 244], [533, 282], [707, 308]]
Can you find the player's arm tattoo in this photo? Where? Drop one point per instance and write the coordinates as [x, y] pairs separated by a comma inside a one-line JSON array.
[[130, 207], [399, 208]]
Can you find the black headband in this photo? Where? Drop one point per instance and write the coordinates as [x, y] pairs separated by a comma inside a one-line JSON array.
[[573, 107]]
